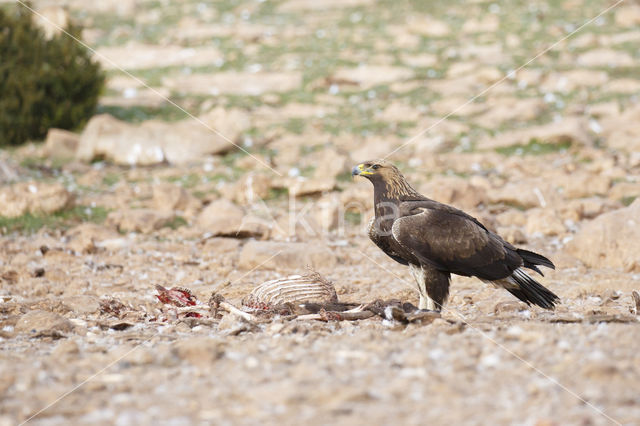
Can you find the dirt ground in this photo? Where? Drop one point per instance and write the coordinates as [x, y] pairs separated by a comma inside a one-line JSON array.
[[548, 157]]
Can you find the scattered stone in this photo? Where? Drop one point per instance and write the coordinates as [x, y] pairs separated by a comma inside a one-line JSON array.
[[66, 347], [87, 237], [61, 143], [82, 304], [38, 198], [286, 256], [199, 351], [232, 325], [170, 197], [610, 240], [139, 220], [38, 323]]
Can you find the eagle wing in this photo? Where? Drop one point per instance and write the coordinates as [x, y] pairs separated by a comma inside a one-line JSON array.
[[452, 241], [383, 244]]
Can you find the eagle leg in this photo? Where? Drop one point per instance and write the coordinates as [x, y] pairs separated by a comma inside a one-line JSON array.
[[433, 286]]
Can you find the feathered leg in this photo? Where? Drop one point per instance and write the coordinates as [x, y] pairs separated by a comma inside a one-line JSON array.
[[433, 286]]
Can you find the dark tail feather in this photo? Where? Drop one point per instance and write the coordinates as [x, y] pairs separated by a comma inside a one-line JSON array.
[[532, 259], [531, 291]]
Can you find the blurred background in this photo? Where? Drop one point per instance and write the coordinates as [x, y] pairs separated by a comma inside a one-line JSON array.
[[187, 142]]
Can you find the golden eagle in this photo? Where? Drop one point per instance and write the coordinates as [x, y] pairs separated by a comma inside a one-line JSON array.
[[436, 240]]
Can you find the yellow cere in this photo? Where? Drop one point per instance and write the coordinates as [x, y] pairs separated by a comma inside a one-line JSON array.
[[364, 171]]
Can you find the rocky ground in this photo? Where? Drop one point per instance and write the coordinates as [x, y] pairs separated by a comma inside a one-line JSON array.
[[224, 162]]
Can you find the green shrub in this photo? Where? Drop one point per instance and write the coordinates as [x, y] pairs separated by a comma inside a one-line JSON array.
[[43, 83]]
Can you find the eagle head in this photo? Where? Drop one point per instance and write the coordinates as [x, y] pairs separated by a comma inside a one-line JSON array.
[[376, 170], [387, 180]]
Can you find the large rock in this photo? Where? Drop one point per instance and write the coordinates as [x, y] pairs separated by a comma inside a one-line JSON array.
[[139, 220], [610, 240], [456, 191], [522, 194], [580, 184], [61, 143], [251, 188], [43, 323], [286, 256], [35, 198], [300, 187], [223, 218], [544, 221], [154, 142]]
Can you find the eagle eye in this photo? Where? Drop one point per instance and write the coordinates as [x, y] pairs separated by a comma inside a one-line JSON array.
[[375, 166]]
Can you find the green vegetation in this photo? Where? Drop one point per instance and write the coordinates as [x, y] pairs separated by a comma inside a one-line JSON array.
[[534, 147], [276, 193], [354, 218], [29, 223], [44, 83], [111, 179], [139, 113], [176, 222]]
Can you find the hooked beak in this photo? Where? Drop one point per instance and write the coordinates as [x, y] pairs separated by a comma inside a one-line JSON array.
[[360, 170]]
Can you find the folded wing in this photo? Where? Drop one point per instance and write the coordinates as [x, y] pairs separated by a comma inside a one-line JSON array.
[[453, 241]]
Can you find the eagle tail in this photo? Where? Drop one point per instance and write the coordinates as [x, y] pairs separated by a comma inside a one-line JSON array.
[[525, 288], [532, 259]]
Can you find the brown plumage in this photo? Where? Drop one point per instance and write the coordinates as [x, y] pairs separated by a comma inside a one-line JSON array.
[[436, 240]]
